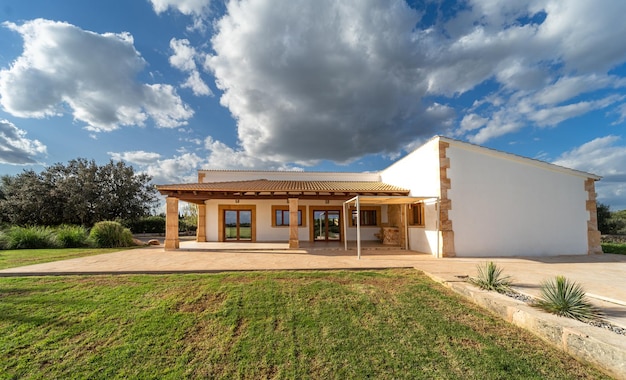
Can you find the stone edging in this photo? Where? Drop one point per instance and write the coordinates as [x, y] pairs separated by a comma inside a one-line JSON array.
[[602, 348]]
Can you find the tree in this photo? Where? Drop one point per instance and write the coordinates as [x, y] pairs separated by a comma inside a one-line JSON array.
[[80, 192], [188, 217], [610, 223]]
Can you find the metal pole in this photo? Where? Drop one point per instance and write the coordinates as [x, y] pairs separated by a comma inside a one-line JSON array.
[[358, 227], [345, 227], [437, 206], [406, 227]]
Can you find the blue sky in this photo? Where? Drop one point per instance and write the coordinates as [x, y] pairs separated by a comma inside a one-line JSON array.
[[175, 86]]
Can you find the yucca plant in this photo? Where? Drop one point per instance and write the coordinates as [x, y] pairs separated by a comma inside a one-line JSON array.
[[490, 278], [566, 298]]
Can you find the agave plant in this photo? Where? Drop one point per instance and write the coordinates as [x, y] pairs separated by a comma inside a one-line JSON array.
[[490, 278], [566, 298]]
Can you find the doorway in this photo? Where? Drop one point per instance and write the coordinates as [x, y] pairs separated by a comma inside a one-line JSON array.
[[326, 225], [237, 225]]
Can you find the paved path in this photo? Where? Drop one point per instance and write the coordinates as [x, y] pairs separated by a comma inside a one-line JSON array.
[[602, 276]]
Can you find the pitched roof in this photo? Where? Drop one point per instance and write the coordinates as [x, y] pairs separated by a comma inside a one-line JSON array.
[[271, 186]]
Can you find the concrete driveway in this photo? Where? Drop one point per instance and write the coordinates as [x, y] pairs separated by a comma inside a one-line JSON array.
[[602, 276]]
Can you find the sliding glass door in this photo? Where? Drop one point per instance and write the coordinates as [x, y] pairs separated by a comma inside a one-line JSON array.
[[326, 225], [237, 225]]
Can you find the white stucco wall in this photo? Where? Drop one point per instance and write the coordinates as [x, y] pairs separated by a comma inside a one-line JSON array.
[[503, 206], [419, 172], [265, 231], [425, 239]]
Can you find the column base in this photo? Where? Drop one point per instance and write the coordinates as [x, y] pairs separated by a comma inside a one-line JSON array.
[[171, 244]]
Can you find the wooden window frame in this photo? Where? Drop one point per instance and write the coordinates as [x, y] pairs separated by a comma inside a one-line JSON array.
[[377, 209], [220, 221], [301, 210], [416, 211]]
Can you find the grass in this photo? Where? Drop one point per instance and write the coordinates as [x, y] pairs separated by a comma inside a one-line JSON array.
[[21, 257], [619, 248], [283, 325]]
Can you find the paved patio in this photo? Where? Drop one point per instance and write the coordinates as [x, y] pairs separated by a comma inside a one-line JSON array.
[[603, 276]]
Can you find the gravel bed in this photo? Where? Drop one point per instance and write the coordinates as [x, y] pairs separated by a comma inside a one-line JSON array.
[[599, 323]]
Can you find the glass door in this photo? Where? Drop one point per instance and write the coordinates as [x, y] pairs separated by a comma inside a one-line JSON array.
[[237, 225], [326, 225]]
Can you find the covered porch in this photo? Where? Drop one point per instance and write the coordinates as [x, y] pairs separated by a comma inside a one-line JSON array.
[[225, 198]]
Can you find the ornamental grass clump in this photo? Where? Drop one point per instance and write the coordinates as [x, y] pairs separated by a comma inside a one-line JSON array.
[[70, 236], [490, 278], [29, 238], [567, 299], [110, 234]]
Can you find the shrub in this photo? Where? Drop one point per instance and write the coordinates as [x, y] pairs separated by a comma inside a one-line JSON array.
[[567, 299], [3, 240], [490, 278], [148, 224], [29, 238], [69, 236], [110, 234], [618, 248]]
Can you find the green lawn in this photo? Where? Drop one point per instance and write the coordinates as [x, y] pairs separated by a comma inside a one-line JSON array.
[[21, 257], [619, 248], [284, 325]]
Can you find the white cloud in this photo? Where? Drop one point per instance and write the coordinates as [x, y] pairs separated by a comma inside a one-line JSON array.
[[139, 157], [221, 156], [338, 80], [324, 79], [539, 67], [555, 115], [186, 7], [197, 9], [184, 59], [15, 148], [472, 121], [183, 167], [178, 169], [91, 75], [604, 156]]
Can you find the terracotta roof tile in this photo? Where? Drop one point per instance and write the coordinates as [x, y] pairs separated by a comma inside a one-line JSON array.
[[264, 185]]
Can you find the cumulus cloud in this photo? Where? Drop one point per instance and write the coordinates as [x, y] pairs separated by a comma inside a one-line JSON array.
[[221, 156], [604, 156], [91, 75], [562, 51], [196, 9], [184, 59], [15, 148], [339, 80], [186, 7], [177, 169], [324, 79], [139, 157]]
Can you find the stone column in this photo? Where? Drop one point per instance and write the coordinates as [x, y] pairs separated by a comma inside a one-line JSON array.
[[294, 243], [201, 230], [445, 204], [171, 224], [594, 236]]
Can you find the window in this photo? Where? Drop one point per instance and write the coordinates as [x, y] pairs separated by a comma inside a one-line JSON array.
[[280, 216], [370, 216], [416, 215]]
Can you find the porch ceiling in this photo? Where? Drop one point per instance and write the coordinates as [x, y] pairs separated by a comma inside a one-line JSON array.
[[389, 200]]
